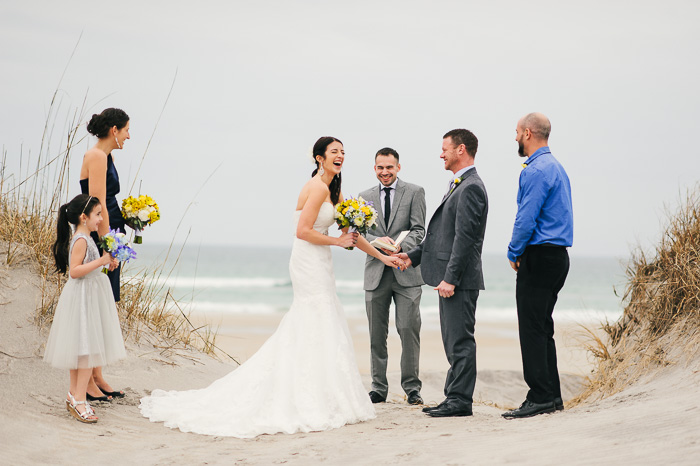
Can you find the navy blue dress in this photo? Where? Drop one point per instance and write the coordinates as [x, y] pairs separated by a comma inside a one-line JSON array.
[[116, 221]]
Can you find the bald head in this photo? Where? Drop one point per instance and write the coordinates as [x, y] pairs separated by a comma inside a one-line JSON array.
[[538, 124]]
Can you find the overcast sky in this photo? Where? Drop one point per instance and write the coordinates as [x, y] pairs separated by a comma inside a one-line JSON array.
[[258, 82]]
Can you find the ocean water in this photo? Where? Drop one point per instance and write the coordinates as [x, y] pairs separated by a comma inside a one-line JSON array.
[[256, 280]]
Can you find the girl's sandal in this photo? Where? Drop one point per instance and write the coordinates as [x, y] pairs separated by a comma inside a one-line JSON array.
[[88, 417]]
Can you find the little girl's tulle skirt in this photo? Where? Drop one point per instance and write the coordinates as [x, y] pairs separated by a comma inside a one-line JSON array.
[[85, 331]]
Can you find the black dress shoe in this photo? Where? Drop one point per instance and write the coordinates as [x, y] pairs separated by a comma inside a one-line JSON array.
[[98, 398], [559, 404], [427, 409], [529, 409], [450, 410], [414, 398], [376, 397], [115, 394]]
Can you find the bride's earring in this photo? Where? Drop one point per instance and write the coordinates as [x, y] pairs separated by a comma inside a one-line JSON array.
[[321, 171]]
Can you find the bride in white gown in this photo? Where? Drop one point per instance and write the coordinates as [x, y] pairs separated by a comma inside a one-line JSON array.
[[305, 377]]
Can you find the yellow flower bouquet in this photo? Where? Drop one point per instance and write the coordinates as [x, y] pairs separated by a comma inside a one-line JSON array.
[[138, 213], [356, 215]]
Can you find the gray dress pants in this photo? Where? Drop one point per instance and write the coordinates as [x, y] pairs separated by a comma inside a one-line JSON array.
[[457, 319], [378, 304]]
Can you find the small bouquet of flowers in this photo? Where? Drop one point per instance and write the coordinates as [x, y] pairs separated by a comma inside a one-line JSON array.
[[139, 212], [357, 214], [116, 244]]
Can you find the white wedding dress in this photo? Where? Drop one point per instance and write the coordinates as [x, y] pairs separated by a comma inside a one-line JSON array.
[[304, 378]]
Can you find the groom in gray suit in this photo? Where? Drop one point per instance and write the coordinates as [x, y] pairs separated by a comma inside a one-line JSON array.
[[401, 206], [450, 260]]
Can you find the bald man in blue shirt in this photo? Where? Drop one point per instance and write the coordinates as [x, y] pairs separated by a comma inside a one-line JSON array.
[[543, 229]]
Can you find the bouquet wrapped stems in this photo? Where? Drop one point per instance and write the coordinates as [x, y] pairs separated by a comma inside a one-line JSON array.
[[352, 230], [138, 236]]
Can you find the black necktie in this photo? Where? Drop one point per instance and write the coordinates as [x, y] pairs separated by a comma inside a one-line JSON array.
[[387, 206]]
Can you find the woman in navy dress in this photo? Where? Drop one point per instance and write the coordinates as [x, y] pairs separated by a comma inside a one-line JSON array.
[[99, 178]]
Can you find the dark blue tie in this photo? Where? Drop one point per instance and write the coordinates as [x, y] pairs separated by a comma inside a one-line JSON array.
[[387, 206]]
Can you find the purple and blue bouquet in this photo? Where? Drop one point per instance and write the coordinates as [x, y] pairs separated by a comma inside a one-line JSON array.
[[116, 244]]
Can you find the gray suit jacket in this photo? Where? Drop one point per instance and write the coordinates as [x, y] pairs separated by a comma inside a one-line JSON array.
[[452, 247], [407, 213]]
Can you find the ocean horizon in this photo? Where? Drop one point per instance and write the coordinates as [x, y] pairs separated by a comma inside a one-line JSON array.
[[220, 280]]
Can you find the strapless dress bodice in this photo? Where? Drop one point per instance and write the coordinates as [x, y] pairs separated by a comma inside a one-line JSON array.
[[325, 218]]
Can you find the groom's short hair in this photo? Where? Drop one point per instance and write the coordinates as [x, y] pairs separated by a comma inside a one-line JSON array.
[[466, 137], [387, 151]]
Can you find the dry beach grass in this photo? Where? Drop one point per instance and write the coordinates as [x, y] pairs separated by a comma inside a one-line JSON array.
[[29, 200], [660, 326]]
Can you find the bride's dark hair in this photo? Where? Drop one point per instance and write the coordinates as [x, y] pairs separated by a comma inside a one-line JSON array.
[[320, 149]]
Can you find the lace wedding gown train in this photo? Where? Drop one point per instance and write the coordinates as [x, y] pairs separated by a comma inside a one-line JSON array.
[[304, 378]]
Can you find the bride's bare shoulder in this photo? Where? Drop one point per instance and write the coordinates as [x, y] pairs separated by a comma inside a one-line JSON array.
[[313, 189]]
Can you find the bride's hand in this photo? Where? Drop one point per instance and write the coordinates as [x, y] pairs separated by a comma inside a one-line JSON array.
[[347, 240], [391, 261]]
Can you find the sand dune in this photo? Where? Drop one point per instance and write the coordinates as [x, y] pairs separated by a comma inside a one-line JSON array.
[[655, 421]]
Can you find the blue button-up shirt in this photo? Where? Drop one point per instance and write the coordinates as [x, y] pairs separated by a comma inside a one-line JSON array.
[[545, 213]]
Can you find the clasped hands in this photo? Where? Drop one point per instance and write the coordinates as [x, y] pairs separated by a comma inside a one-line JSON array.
[[405, 260], [444, 289]]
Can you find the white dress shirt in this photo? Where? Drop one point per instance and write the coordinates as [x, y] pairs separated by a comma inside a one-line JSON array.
[[382, 193], [457, 175]]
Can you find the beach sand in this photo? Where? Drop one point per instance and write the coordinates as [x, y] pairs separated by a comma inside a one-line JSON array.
[[498, 354], [653, 422]]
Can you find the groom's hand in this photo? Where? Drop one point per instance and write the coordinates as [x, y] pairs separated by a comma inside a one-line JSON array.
[[445, 290], [406, 260]]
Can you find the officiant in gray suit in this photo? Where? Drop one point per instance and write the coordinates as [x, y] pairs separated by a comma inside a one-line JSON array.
[[450, 260], [401, 207]]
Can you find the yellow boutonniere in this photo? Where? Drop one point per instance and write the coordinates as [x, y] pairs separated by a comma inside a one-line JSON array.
[[524, 165], [455, 182]]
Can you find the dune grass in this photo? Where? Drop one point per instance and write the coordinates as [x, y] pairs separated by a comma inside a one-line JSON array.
[[30, 195], [660, 325]]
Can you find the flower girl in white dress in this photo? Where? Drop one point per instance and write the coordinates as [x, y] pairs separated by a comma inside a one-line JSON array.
[[85, 332], [305, 377]]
